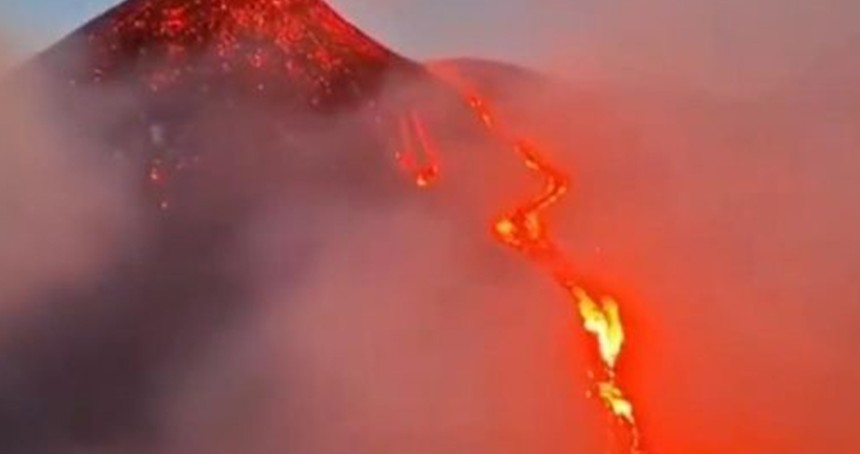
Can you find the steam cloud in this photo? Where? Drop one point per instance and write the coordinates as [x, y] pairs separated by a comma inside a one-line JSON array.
[[62, 213], [713, 152]]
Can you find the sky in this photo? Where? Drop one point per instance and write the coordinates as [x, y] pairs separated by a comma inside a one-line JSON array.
[[399, 23]]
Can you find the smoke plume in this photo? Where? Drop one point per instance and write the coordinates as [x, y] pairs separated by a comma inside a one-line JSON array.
[[712, 147], [62, 212]]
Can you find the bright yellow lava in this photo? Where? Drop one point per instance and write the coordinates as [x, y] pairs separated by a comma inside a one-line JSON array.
[[604, 322]]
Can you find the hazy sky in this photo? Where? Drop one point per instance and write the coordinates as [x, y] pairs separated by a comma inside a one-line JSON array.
[[474, 27], [728, 46]]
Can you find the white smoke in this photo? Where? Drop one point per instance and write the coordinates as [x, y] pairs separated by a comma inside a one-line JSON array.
[[61, 212]]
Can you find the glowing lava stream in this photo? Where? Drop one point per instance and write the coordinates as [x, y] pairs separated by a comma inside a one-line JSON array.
[[524, 228]]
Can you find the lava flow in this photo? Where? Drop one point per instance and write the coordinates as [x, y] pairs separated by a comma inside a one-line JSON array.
[[524, 228]]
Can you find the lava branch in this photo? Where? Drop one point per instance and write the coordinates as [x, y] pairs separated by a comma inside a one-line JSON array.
[[524, 228], [425, 169]]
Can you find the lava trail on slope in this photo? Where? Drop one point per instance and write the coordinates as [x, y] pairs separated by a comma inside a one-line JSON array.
[[221, 109]]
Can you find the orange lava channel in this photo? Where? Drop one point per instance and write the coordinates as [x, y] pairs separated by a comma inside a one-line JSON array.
[[524, 228]]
